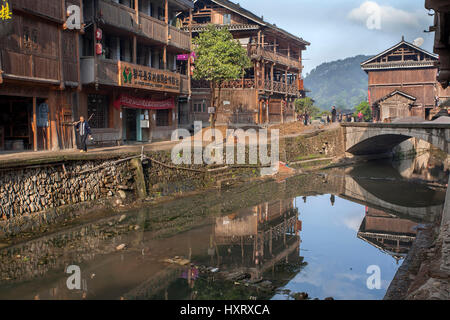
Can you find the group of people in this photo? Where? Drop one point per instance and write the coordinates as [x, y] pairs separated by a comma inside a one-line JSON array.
[[304, 118], [335, 117]]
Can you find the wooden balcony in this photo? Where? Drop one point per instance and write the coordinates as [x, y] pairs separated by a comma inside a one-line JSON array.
[[118, 15], [153, 28], [179, 39], [233, 84], [184, 84], [52, 9], [281, 87], [280, 59], [30, 67], [122, 17]]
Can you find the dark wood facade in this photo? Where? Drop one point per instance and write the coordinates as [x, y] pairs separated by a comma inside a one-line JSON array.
[[141, 36], [267, 92], [40, 77], [441, 28], [404, 74]]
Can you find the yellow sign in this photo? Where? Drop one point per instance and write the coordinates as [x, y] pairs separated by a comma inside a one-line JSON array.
[[5, 11], [136, 76]]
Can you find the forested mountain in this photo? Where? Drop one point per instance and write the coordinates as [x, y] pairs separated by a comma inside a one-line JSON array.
[[341, 83]]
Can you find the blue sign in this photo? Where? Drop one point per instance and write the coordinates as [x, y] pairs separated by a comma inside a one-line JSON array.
[[42, 115]]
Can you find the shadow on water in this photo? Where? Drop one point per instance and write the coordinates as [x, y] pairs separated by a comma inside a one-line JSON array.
[[314, 233]]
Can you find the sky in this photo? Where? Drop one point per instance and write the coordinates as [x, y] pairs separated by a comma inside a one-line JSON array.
[[339, 29]]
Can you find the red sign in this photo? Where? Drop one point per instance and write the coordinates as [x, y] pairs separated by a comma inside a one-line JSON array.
[[99, 34], [183, 57], [98, 48], [139, 103]]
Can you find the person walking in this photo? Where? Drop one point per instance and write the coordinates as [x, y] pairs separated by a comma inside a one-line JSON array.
[[360, 116], [84, 131], [333, 114]]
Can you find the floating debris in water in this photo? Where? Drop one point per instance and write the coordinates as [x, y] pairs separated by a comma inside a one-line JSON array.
[[121, 247], [177, 260]]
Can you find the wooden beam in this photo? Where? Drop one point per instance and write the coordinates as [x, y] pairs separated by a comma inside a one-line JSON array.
[[165, 57], [134, 49], [136, 8], [271, 76], [166, 9], [34, 125]]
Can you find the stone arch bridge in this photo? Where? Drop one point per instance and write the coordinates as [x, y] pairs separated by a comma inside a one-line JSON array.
[[379, 138]]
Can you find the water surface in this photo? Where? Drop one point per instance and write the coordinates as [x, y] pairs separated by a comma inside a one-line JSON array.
[[314, 233]]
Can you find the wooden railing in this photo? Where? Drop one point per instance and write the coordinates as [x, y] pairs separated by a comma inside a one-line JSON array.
[[51, 8], [179, 38], [153, 28], [118, 15], [108, 71], [184, 84], [281, 87], [121, 16], [275, 57], [232, 84], [29, 66]]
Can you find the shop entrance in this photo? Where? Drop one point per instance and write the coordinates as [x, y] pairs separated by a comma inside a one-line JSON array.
[[130, 124], [16, 115]]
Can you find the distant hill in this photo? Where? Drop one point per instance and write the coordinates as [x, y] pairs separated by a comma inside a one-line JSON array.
[[341, 83]]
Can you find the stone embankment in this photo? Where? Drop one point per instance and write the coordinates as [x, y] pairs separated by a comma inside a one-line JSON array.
[[35, 194], [425, 274]]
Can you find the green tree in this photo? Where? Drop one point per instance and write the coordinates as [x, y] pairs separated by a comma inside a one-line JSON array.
[[219, 58], [307, 105], [365, 109]]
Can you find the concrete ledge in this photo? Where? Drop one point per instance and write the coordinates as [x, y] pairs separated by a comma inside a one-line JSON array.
[[421, 125]]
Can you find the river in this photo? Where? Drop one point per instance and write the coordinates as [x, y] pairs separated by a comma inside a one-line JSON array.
[[323, 234]]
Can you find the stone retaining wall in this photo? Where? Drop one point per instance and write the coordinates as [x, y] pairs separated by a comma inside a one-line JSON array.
[[31, 197]]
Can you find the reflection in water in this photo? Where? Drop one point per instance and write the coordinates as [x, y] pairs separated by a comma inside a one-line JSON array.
[[388, 233], [256, 239], [315, 234], [424, 166]]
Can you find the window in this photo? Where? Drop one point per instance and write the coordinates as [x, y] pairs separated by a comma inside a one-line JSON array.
[[200, 107], [87, 45], [98, 107], [126, 50], [162, 118], [227, 19]]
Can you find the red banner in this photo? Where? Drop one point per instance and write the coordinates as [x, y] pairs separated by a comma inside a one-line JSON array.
[[139, 103]]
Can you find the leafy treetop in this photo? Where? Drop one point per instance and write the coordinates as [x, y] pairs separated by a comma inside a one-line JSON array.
[[219, 56]]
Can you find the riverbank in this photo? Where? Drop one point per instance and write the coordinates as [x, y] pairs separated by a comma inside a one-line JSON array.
[[41, 190], [425, 274]]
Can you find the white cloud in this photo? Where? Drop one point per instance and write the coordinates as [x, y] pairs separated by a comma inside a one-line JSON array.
[[387, 18]]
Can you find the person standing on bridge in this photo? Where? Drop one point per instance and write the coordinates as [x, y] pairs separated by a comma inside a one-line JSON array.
[[333, 114], [360, 117]]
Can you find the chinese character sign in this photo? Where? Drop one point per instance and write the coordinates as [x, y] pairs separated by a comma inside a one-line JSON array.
[[5, 11], [137, 76]]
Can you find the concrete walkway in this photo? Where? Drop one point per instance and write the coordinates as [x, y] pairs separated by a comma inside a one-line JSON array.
[[26, 158], [30, 158]]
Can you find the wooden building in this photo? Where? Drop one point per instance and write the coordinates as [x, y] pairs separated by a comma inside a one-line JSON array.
[[133, 84], [403, 83], [39, 76], [388, 233], [267, 92], [441, 28], [259, 237]]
